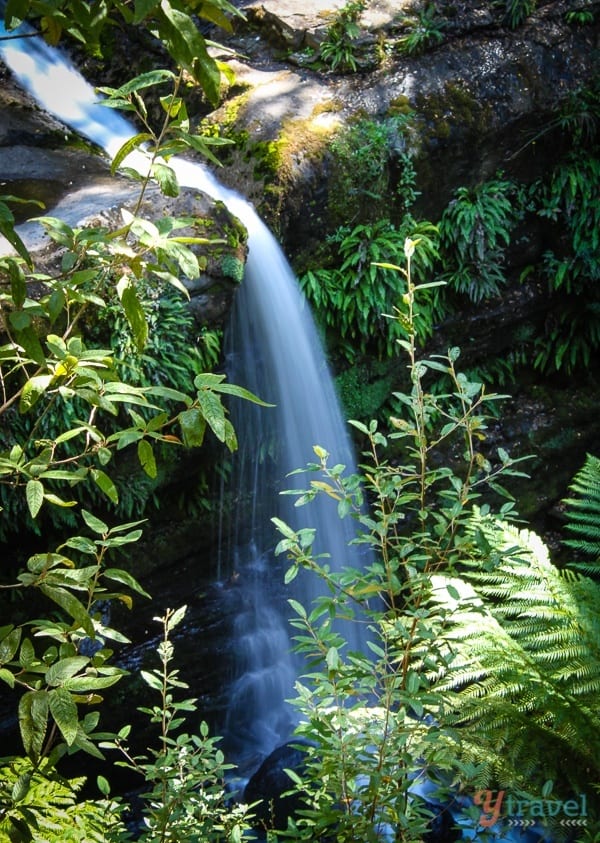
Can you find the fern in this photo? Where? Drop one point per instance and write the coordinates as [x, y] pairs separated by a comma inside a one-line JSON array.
[[41, 807], [524, 673], [583, 516]]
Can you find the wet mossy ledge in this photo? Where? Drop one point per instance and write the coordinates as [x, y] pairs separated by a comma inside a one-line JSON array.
[[475, 97]]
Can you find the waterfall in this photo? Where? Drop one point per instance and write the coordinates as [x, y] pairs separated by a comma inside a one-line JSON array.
[[274, 350]]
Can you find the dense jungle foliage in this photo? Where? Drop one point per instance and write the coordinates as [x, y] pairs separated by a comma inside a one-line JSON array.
[[481, 669]]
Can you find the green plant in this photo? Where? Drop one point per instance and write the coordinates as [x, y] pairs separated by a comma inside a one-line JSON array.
[[526, 665], [355, 298], [583, 516], [338, 49], [475, 230], [372, 167], [50, 662], [187, 799], [364, 388], [572, 268], [57, 656], [42, 807], [517, 11], [378, 727], [580, 17], [424, 32], [173, 22]]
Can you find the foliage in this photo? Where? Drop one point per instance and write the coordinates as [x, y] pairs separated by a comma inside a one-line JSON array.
[[171, 138], [517, 12], [61, 663], [364, 388], [384, 750], [475, 230], [526, 661], [59, 657], [188, 799], [42, 804], [583, 516], [357, 296], [172, 21], [572, 268], [580, 17], [338, 47], [372, 168], [425, 32]]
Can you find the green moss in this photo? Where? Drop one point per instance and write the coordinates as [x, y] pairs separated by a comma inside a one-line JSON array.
[[365, 388], [232, 267], [225, 123], [453, 107], [400, 105]]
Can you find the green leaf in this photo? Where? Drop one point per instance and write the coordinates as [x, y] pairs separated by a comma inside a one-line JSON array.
[[166, 178], [193, 427], [87, 683], [125, 578], [333, 659], [152, 680], [9, 645], [146, 458], [213, 412], [95, 524], [134, 312], [33, 391], [21, 786], [64, 711], [128, 147], [71, 606], [105, 484], [188, 47], [176, 618], [33, 720], [34, 492], [103, 785], [64, 669], [7, 676]]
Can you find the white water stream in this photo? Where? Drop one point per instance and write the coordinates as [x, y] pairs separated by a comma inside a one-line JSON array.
[[274, 350]]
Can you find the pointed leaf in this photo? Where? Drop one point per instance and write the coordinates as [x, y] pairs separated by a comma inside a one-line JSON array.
[[34, 492], [64, 711], [33, 720], [146, 458], [128, 147], [32, 391]]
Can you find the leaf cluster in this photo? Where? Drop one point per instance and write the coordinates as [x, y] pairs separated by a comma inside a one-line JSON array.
[[174, 23], [338, 48], [358, 296], [425, 31], [475, 231], [185, 774], [380, 727]]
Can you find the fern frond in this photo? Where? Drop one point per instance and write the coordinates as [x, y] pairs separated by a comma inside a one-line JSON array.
[[525, 645], [583, 511]]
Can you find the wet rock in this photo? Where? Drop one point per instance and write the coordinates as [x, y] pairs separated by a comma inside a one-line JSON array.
[[270, 783]]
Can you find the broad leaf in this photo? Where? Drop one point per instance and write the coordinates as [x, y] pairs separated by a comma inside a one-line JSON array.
[[193, 427], [34, 492], [64, 711], [33, 390], [146, 458], [33, 720], [64, 669]]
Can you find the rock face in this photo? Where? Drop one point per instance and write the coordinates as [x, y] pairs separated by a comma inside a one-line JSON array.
[[478, 98], [42, 160]]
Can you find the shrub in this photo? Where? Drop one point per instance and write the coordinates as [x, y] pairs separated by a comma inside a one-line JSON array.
[[356, 298]]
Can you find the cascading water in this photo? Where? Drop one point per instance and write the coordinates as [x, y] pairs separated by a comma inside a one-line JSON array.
[[273, 350]]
